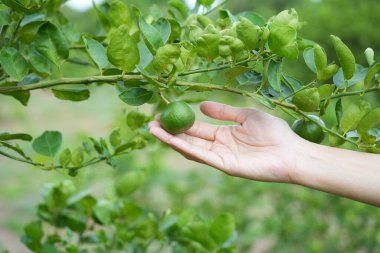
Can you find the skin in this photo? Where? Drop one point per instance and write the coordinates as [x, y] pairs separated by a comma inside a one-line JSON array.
[[262, 147]]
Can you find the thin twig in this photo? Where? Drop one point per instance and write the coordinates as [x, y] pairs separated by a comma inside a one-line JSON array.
[[216, 7], [353, 93], [297, 91]]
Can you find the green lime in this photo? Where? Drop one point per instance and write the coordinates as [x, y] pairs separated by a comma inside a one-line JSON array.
[[307, 100], [334, 140], [177, 117], [309, 130]]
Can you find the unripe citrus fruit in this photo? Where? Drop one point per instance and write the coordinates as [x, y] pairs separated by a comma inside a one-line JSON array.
[[308, 130], [307, 100], [177, 117]]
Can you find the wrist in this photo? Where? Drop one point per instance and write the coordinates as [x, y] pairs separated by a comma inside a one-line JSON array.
[[309, 157], [341, 172]]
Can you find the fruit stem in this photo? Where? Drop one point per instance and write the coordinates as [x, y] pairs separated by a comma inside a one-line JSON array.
[[164, 98]]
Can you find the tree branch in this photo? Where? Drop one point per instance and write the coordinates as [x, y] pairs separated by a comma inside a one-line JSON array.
[[64, 81], [353, 93]]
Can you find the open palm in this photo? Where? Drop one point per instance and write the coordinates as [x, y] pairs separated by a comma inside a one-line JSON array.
[[260, 147]]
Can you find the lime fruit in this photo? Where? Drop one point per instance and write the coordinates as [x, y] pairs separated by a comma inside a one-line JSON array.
[[177, 117], [307, 100], [309, 130]]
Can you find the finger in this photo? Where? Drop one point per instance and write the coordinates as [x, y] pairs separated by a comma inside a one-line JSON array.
[[203, 130], [199, 153], [193, 140], [225, 112], [199, 129]]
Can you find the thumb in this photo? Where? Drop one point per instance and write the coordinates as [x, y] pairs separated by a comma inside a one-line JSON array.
[[224, 112]]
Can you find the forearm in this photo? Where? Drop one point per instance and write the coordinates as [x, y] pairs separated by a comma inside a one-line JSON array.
[[342, 172]]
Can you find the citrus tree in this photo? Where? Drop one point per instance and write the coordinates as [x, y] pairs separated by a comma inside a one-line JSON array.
[[158, 58]]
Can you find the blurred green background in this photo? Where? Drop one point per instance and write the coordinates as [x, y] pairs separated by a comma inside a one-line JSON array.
[[271, 217]]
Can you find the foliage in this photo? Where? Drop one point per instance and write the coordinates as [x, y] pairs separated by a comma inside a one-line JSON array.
[[84, 224], [154, 58]]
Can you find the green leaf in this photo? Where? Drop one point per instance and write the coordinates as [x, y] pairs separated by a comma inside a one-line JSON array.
[[48, 143], [39, 61], [151, 35], [75, 221], [102, 15], [293, 83], [146, 56], [135, 96], [122, 50], [70, 32], [308, 56], [119, 14], [180, 6], [16, 149], [13, 63], [274, 74], [199, 232], [51, 43], [34, 230], [325, 91], [353, 114], [129, 182], [155, 11], [147, 229], [77, 157], [232, 73], [21, 136], [104, 212], [358, 77], [65, 158], [127, 146], [5, 17], [115, 138], [163, 26], [222, 227], [371, 75], [131, 210], [58, 39], [136, 119], [17, 5], [56, 198], [32, 18], [206, 3], [30, 30], [72, 94], [21, 96], [97, 52], [254, 17], [369, 121]]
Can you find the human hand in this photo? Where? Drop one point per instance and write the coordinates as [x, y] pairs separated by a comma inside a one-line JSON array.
[[262, 147]]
